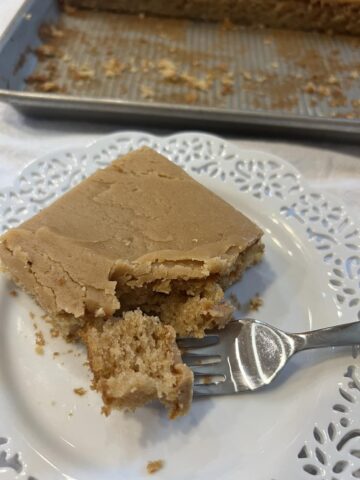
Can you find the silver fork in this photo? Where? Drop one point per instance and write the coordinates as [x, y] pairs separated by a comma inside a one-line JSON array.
[[248, 354]]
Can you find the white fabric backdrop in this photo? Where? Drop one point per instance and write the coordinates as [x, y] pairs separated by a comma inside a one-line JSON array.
[[332, 168]]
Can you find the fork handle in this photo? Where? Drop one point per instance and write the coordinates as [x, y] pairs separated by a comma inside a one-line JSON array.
[[339, 336]]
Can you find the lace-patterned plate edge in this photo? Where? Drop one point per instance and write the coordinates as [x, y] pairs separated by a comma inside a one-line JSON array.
[[329, 452]]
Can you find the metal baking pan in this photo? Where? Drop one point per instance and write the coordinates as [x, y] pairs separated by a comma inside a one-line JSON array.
[[224, 76]]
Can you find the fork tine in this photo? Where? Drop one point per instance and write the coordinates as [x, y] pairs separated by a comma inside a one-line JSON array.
[[220, 388], [195, 359], [212, 369], [191, 343], [206, 390], [205, 379]]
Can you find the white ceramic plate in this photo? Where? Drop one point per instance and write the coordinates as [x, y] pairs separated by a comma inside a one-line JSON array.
[[306, 425]]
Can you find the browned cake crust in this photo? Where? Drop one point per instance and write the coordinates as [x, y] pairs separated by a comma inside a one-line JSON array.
[[134, 360], [141, 232], [340, 16]]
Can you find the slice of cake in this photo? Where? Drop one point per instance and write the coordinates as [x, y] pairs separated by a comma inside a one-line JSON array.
[[139, 233], [340, 16], [135, 359]]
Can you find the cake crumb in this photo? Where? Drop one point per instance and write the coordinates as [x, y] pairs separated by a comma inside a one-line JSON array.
[[167, 69], [13, 293], [255, 303], [39, 338], [69, 9], [39, 341], [235, 301], [191, 97], [53, 403], [66, 58], [56, 354], [32, 315], [38, 78], [39, 350], [80, 391], [170, 73], [146, 65], [147, 92], [81, 73], [154, 466], [113, 68], [45, 51], [106, 410], [51, 31], [202, 84], [49, 87], [54, 332], [333, 80], [227, 84]]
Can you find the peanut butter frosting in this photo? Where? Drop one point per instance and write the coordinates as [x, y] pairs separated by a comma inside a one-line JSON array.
[[141, 220]]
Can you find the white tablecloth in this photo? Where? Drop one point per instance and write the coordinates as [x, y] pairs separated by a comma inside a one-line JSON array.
[[332, 168]]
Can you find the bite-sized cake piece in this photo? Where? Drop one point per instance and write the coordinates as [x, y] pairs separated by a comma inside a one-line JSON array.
[[139, 233], [341, 16], [135, 359]]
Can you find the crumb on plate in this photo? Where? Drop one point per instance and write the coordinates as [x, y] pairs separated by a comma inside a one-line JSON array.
[[235, 301], [39, 338], [39, 341], [255, 303], [80, 391], [106, 410], [54, 332], [39, 350], [154, 466]]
